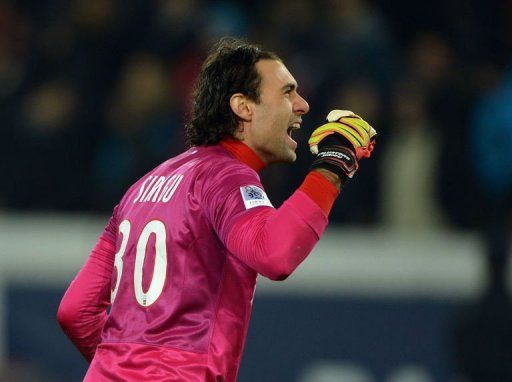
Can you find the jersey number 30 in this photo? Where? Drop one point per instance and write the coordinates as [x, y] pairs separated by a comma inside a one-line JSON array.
[[144, 298]]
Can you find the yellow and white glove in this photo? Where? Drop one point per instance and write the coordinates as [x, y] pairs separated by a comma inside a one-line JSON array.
[[342, 142]]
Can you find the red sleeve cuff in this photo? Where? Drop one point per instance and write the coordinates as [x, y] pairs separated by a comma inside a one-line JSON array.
[[320, 190]]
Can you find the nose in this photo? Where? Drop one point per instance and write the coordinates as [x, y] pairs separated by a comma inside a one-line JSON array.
[[300, 106]]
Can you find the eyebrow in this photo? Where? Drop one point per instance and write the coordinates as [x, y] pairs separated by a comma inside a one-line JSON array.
[[289, 86]]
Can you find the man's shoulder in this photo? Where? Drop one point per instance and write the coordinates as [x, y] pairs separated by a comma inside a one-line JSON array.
[[197, 159], [221, 169], [207, 165]]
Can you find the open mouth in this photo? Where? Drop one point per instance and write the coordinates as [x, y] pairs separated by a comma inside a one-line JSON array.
[[293, 126]]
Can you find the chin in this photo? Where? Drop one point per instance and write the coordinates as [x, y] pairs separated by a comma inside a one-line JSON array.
[[283, 156], [290, 157]]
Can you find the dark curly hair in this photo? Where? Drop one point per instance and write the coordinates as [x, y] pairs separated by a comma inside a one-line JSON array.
[[229, 69]]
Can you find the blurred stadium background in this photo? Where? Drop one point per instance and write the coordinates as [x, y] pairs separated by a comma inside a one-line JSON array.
[[411, 282]]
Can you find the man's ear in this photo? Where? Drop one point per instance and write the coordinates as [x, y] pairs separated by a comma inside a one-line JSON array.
[[241, 106]]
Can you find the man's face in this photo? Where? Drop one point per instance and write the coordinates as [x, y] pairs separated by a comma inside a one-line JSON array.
[[278, 113]]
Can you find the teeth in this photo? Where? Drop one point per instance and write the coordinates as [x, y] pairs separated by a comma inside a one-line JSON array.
[[292, 127]]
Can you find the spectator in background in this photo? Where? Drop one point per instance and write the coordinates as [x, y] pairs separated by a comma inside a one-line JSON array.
[[410, 163], [15, 30], [446, 86], [15, 34], [172, 25], [491, 142], [51, 143], [142, 128], [360, 43]]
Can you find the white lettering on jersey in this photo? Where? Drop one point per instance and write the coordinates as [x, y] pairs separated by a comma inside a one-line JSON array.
[[174, 185], [142, 189], [160, 188], [157, 186], [148, 188], [253, 196], [166, 187]]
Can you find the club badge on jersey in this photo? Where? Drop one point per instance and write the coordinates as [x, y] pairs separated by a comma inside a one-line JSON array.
[[253, 196]]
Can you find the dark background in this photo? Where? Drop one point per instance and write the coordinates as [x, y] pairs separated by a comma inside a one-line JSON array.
[[94, 93]]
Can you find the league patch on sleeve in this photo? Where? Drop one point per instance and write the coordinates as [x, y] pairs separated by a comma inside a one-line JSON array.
[[253, 196]]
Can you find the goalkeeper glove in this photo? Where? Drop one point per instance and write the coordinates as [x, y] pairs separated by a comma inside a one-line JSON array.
[[341, 143]]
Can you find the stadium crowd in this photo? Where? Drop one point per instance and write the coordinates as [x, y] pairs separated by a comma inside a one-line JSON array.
[[94, 93]]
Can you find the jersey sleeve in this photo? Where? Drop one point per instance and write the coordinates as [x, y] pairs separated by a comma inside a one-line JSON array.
[[275, 242], [234, 191], [83, 308], [271, 241]]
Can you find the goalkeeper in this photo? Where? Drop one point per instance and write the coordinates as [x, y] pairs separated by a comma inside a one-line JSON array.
[[166, 293]]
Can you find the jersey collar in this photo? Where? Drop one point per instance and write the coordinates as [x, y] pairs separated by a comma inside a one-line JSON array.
[[243, 153]]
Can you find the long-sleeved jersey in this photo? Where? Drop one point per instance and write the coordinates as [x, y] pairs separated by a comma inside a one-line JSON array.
[[177, 264]]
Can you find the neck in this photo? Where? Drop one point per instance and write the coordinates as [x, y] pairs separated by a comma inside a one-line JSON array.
[[243, 153]]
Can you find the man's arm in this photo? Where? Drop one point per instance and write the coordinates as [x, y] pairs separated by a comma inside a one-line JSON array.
[[83, 309], [275, 242]]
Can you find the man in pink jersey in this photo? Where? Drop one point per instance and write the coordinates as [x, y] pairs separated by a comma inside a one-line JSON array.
[[178, 260]]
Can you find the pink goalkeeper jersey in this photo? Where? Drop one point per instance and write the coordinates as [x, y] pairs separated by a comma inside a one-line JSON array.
[[181, 301]]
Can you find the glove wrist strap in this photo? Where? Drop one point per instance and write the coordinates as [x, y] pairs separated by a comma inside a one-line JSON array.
[[338, 159]]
